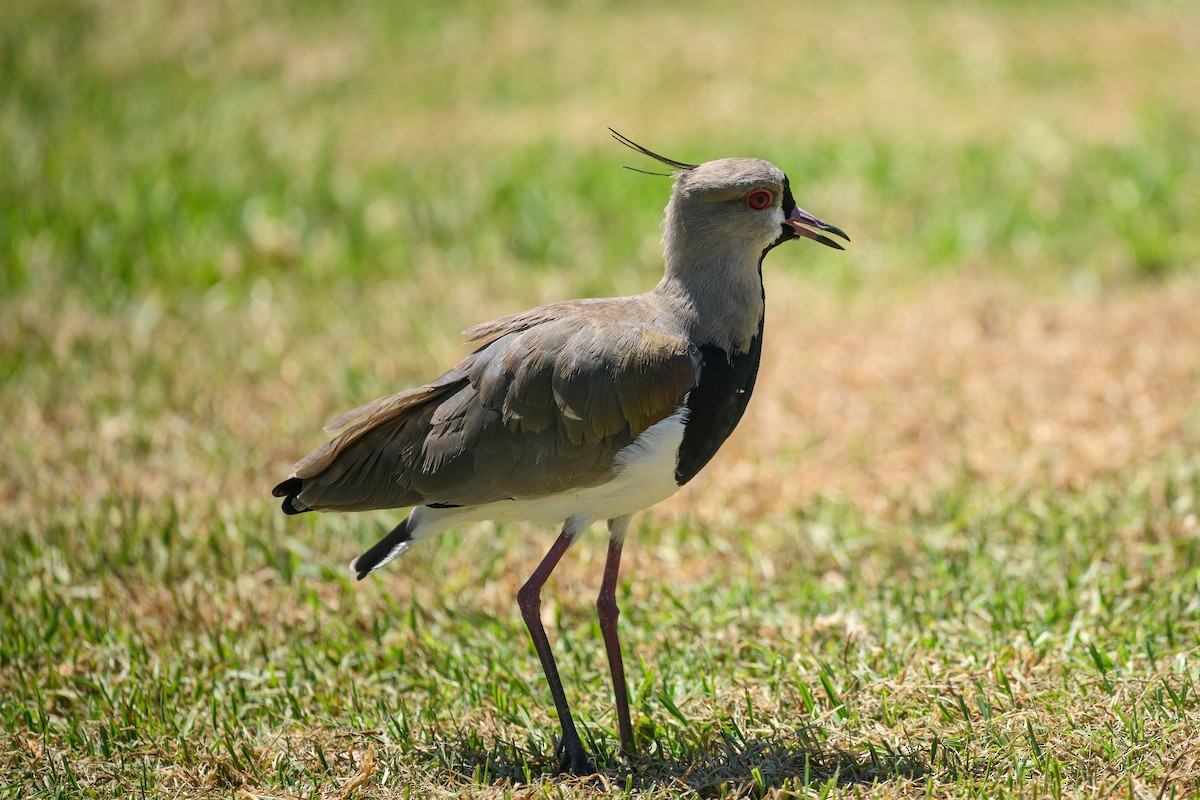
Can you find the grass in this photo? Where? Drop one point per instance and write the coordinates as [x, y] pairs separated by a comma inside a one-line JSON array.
[[1041, 643], [952, 551]]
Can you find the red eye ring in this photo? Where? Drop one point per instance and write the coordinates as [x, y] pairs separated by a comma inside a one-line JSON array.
[[759, 199]]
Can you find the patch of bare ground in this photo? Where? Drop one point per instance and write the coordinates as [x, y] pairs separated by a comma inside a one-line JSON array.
[[880, 397], [866, 398]]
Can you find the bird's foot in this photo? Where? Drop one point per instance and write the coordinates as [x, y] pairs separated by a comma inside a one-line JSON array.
[[574, 760]]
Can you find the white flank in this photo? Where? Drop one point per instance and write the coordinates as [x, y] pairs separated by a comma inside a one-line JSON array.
[[643, 475]]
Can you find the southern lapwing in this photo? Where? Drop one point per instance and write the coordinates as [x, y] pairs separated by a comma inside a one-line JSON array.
[[578, 411]]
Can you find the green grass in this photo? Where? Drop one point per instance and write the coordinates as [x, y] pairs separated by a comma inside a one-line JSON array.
[[223, 223], [168, 152], [1036, 643]]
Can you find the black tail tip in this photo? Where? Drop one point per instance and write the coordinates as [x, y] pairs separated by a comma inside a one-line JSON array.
[[291, 486], [382, 551], [359, 567], [289, 490], [292, 506]]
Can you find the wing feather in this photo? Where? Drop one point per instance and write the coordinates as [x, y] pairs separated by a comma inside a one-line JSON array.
[[541, 407]]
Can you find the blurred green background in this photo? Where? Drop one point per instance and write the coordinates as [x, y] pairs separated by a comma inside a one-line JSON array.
[[170, 147]]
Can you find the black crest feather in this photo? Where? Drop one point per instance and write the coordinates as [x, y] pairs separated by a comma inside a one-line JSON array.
[[632, 145]]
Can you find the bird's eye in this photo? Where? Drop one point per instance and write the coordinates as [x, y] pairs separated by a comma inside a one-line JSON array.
[[759, 199]]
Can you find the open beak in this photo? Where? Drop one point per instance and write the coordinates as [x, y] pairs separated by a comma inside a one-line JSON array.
[[803, 223]]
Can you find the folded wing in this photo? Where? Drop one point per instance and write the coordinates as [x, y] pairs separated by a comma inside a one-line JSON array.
[[542, 407]]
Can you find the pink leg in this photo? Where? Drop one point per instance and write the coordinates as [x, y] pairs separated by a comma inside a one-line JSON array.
[[606, 609], [574, 757]]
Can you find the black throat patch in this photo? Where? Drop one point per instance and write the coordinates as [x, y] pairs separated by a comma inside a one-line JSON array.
[[789, 202], [716, 404], [788, 232]]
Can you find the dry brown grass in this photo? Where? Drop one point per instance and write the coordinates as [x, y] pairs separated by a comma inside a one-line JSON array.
[[863, 398], [950, 74], [962, 379]]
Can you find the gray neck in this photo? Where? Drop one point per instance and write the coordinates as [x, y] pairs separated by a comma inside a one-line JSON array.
[[713, 286]]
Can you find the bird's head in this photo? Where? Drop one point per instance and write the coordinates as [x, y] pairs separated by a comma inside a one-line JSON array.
[[737, 199]]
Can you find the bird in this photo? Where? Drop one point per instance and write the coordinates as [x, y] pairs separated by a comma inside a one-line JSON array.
[[580, 411]]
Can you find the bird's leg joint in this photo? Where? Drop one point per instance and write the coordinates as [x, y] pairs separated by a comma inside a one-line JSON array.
[[529, 599], [606, 606]]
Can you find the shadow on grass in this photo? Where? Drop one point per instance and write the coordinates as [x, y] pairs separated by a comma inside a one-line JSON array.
[[726, 766]]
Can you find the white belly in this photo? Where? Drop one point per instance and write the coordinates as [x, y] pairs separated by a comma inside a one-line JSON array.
[[643, 475]]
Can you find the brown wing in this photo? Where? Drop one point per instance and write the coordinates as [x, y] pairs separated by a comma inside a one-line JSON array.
[[537, 410]]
